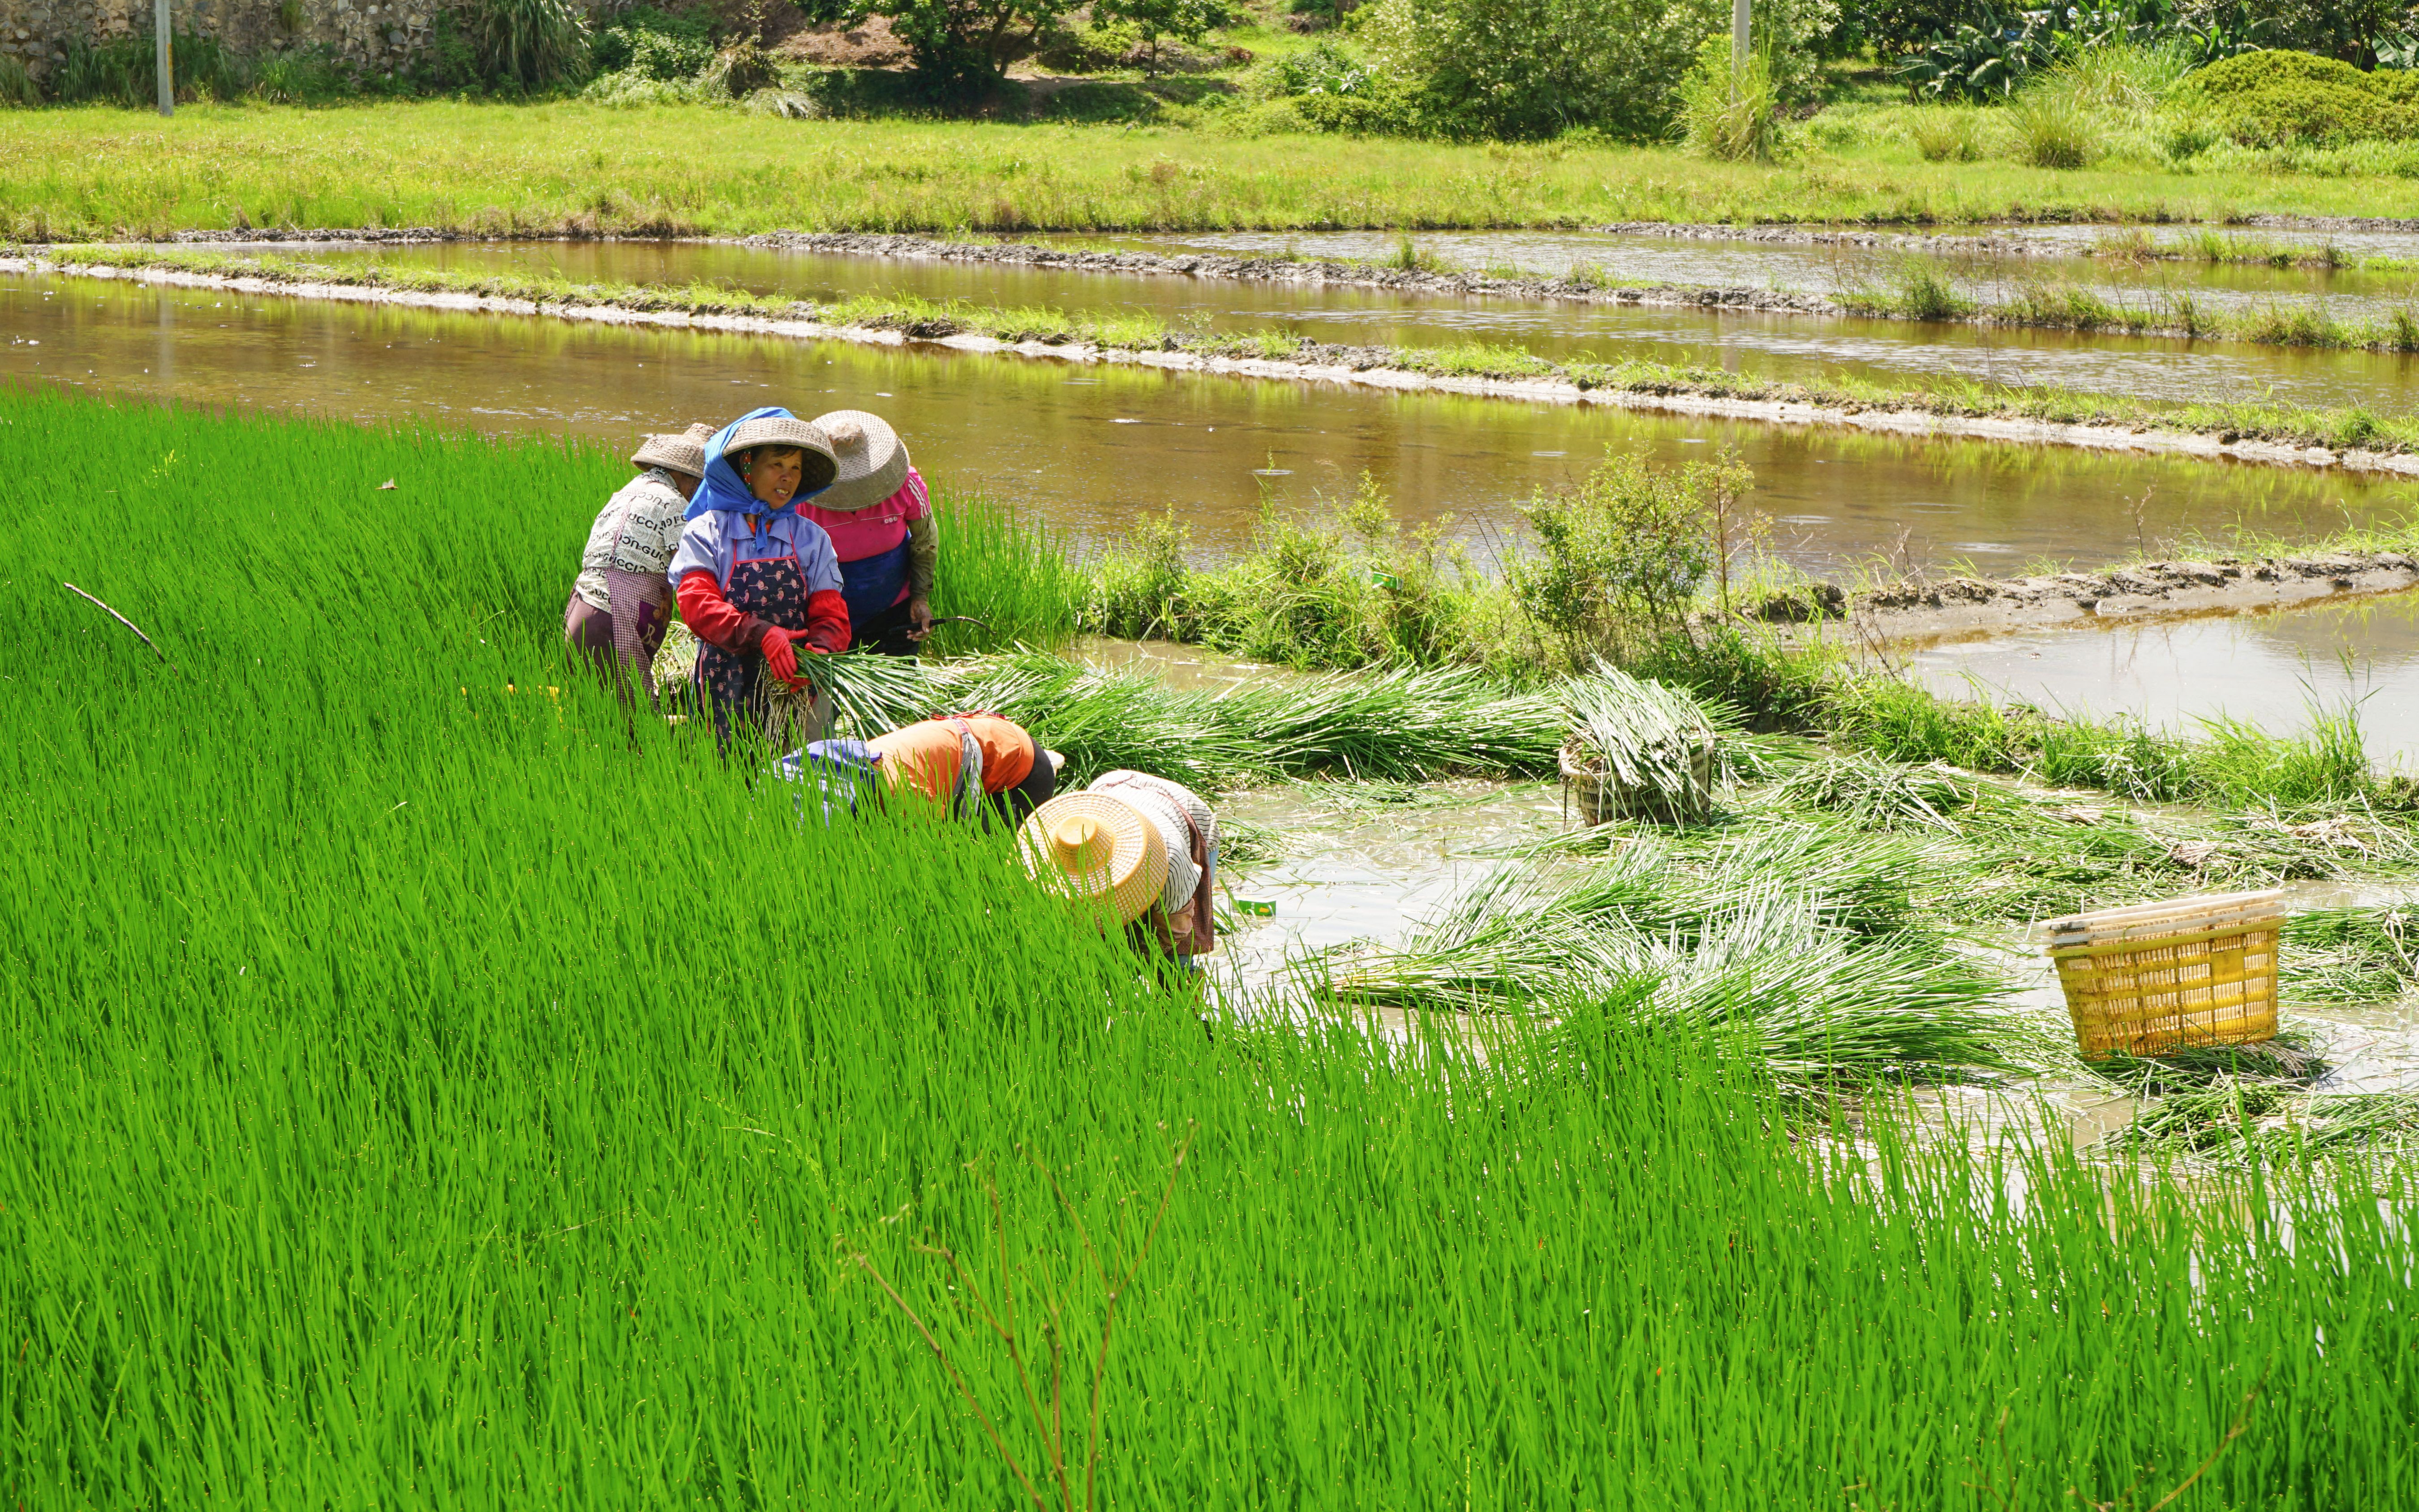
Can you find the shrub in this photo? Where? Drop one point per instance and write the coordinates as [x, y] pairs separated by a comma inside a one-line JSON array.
[[1326, 88], [1621, 558], [1720, 125], [123, 71], [962, 47], [17, 86], [2053, 130], [1947, 133], [532, 43], [2277, 99], [655, 44], [1538, 67], [301, 77]]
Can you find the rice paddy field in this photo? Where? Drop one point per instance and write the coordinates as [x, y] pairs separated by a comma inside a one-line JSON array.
[[422, 1085]]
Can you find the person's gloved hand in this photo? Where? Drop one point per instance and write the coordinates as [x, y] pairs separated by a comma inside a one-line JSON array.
[[779, 659]]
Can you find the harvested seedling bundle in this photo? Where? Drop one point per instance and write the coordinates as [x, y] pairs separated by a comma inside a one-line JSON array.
[[1638, 748], [863, 692]]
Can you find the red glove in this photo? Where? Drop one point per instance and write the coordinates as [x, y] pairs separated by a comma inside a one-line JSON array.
[[779, 659]]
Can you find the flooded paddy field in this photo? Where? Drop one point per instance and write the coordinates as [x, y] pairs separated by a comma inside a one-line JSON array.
[[423, 1092], [1801, 347], [2173, 671], [1091, 447]]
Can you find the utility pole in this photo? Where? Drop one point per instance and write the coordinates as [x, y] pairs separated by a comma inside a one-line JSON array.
[[1739, 45], [164, 56]]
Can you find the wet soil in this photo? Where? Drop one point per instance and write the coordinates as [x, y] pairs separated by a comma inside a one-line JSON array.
[[1927, 609]]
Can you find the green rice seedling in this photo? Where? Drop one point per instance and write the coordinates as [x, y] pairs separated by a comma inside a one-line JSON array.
[[1397, 723], [1877, 794], [1008, 570], [865, 691], [1654, 745], [2348, 955], [384, 1119]]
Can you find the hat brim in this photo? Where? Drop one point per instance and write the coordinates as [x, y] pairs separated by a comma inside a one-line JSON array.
[[1128, 882]]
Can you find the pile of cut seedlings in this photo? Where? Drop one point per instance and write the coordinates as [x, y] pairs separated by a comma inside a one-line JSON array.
[[1858, 918]]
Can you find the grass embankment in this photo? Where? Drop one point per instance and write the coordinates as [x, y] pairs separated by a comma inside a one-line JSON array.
[[1945, 398], [565, 166], [429, 1097]]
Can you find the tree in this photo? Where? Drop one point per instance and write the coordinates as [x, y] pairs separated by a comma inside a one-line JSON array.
[[961, 46], [1537, 68], [1186, 20]]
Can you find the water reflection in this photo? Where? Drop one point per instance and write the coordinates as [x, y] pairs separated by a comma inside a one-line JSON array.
[[1092, 446], [1799, 348], [2173, 671]]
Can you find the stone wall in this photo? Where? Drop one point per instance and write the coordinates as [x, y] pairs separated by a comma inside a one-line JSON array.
[[375, 36]]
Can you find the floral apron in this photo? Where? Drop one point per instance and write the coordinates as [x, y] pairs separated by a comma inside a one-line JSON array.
[[775, 590]]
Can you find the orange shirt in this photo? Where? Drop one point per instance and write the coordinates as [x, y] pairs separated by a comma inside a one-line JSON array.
[[927, 754]]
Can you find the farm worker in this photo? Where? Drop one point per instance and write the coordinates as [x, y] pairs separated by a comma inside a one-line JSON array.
[[964, 760], [621, 604], [1144, 848], [880, 518], [756, 580]]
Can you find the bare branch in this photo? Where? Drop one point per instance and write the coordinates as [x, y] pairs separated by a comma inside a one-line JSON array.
[[950, 1368], [120, 619]]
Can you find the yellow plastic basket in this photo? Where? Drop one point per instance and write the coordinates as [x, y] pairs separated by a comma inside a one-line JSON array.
[[2157, 976]]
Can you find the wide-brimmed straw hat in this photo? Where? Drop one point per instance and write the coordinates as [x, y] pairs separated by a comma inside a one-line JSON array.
[[820, 466], [872, 460], [676, 454], [1090, 845]]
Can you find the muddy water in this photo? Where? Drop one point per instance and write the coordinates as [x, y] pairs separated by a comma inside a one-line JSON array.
[[1356, 872], [1801, 347], [1092, 446], [2173, 671]]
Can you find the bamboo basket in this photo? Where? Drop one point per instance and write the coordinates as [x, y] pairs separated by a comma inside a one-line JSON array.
[[2156, 976], [1603, 798]]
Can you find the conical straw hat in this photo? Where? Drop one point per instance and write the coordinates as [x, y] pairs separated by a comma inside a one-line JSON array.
[[1090, 845], [872, 460], [817, 467], [678, 454]]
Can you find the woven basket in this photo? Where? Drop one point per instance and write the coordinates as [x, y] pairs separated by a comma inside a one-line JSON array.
[[1603, 800], [2158, 976]]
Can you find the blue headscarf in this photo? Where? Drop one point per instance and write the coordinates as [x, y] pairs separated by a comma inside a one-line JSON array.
[[724, 488]]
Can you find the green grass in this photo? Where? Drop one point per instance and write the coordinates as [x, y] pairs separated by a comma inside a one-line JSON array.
[[565, 166], [418, 1095]]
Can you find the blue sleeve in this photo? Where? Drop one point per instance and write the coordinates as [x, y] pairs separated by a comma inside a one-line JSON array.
[[703, 549]]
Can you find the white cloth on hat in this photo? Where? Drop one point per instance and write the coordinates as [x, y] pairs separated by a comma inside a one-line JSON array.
[[1176, 811]]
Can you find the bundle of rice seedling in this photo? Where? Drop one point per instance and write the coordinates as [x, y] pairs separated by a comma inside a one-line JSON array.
[[1402, 722], [1104, 720], [1874, 794], [863, 692], [2234, 1119], [1637, 748], [1820, 1002]]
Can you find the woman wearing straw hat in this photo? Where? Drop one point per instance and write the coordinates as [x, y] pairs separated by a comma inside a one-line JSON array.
[[755, 580], [621, 604], [879, 516], [1143, 847]]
